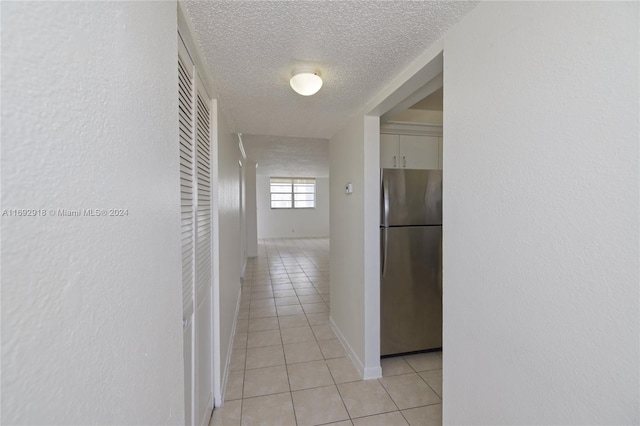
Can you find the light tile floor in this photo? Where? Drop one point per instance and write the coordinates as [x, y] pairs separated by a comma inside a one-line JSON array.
[[288, 367]]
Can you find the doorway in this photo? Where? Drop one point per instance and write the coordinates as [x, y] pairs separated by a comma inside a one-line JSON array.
[[394, 115]]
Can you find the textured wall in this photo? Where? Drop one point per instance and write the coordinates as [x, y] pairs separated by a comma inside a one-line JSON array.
[[371, 253], [291, 223], [541, 259], [91, 306], [229, 233], [252, 210], [346, 159]]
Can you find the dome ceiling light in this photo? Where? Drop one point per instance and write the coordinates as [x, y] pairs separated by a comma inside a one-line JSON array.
[[306, 81]]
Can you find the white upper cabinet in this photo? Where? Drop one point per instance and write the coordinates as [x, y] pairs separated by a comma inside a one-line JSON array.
[[389, 151], [410, 151], [419, 152]]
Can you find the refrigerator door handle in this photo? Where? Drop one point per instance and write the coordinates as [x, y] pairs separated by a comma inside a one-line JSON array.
[[385, 202], [385, 244]]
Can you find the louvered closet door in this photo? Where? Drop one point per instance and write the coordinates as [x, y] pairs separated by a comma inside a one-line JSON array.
[[185, 116], [203, 288], [187, 173], [203, 176]]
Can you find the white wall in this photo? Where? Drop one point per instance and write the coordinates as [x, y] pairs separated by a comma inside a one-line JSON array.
[[243, 207], [541, 258], [228, 253], [419, 116], [292, 223], [371, 255], [251, 207], [355, 242], [91, 306], [346, 162]]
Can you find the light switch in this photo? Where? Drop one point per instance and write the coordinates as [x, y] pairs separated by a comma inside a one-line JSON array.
[[348, 188]]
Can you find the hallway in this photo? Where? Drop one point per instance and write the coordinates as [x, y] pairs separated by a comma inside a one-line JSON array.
[[288, 367]]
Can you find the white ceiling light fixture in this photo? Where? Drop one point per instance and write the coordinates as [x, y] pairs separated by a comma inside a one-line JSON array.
[[306, 81]]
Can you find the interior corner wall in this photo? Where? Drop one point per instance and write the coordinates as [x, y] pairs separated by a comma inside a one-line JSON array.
[[242, 177], [292, 223], [91, 303], [541, 209], [251, 207], [346, 162], [371, 248], [229, 235]]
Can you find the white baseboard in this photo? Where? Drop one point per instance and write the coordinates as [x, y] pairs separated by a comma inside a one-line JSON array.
[[292, 237], [372, 372], [365, 372], [220, 402]]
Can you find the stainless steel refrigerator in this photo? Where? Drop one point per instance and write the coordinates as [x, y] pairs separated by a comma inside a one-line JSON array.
[[411, 260]]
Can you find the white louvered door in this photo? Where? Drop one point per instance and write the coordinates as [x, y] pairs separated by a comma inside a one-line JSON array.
[[203, 288], [194, 123], [185, 111], [187, 190]]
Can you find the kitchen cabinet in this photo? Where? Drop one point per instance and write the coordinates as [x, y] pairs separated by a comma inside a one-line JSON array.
[[389, 151], [410, 151]]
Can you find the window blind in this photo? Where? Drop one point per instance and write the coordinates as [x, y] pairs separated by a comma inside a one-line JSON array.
[[296, 193]]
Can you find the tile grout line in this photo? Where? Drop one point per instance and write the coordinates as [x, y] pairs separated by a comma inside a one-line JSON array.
[[286, 369], [309, 284]]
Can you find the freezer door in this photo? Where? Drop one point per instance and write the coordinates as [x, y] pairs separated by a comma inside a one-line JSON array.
[[410, 289], [411, 197]]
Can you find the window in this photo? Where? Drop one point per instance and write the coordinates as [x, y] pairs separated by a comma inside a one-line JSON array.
[[293, 193]]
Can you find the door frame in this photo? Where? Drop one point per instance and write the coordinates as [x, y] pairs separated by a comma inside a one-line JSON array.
[[417, 80]]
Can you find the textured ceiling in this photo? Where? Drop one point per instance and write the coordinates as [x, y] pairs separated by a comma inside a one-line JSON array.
[[288, 157], [251, 48]]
